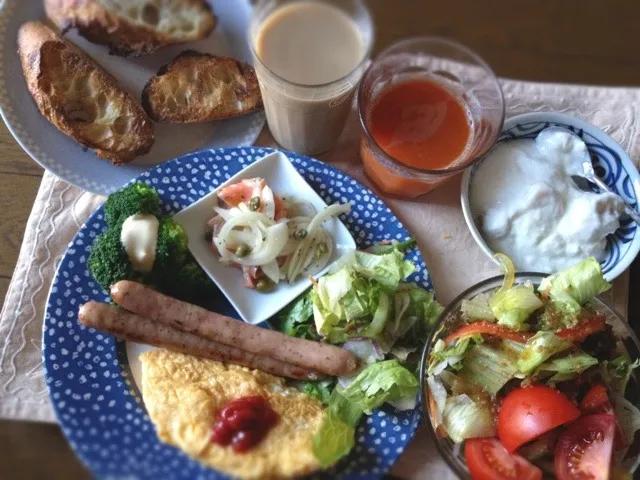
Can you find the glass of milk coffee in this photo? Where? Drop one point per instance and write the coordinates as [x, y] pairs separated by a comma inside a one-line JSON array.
[[309, 56]]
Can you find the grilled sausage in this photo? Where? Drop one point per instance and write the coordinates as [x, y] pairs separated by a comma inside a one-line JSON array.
[[315, 356], [117, 321]]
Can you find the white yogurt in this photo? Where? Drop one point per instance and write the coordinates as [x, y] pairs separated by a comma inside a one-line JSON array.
[[527, 205]]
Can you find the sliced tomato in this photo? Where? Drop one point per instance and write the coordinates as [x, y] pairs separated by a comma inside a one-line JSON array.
[[585, 328], [528, 412], [585, 449], [487, 459], [489, 329], [596, 400]]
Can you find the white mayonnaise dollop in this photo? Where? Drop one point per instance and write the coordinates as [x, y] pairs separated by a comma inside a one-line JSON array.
[[139, 237], [527, 205]]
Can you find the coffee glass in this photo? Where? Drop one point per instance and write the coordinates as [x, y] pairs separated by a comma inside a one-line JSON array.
[[309, 118], [460, 71]]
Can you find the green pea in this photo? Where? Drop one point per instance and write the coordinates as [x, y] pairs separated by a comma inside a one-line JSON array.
[[254, 204], [263, 285], [299, 234], [242, 251], [321, 250]]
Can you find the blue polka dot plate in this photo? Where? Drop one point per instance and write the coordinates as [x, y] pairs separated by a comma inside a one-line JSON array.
[[93, 379], [611, 164]]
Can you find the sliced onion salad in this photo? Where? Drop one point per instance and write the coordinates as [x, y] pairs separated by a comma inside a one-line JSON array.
[[285, 249]]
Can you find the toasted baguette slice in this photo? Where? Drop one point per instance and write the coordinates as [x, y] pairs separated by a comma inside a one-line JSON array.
[[198, 87], [134, 27], [80, 98]]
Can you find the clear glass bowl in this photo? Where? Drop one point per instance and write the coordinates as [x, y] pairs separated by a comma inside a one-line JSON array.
[[452, 453]]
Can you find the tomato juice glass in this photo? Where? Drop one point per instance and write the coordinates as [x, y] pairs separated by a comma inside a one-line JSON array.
[[450, 114]]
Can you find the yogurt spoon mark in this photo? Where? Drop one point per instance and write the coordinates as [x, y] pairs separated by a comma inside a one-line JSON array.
[[585, 168]]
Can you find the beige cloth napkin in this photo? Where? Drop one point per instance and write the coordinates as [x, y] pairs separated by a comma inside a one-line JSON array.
[[453, 259]]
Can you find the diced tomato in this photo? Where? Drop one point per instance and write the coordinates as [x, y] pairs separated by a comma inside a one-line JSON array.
[[489, 329], [251, 275], [585, 328], [281, 208], [242, 191], [596, 400], [487, 459], [585, 450], [528, 412]]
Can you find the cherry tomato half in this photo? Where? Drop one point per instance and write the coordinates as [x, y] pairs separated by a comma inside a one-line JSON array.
[[528, 412], [487, 459], [586, 448], [490, 329], [596, 400]]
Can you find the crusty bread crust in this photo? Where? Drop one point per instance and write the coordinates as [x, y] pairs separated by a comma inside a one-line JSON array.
[[80, 98], [134, 27], [199, 87]]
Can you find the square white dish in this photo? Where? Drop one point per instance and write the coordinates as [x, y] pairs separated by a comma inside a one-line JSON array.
[[253, 306]]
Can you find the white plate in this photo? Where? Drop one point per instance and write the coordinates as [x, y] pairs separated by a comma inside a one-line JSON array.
[[63, 156], [252, 306]]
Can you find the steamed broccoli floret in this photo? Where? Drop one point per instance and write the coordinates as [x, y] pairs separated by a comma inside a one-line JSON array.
[[192, 284], [173, 244], [135, 198], [108, 261], [175, 271]]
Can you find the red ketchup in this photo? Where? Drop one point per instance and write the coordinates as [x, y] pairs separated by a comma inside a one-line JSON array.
[[243, 423]]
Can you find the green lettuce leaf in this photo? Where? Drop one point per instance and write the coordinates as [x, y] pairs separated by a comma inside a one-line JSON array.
[[573, 287], [333, 296], [464, 418], [513, 306], [378, 383], [443, 356], [415, 312], [489, 367], [320, 390], [295, 319], [388, 269], [569, 367], [336, 435], [538, 349], [477, 309], [616, 373], [380, 248]]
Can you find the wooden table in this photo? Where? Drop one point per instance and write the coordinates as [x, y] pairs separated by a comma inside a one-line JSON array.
[[587, 41]]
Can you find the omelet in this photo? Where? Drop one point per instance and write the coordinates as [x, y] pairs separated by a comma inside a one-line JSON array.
[[183, 395]]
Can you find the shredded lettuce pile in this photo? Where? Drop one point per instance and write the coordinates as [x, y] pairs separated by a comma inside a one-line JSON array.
[[385, 381], [365, 305]]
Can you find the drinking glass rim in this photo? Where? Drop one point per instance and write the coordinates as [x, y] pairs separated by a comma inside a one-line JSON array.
[[362, 62], [397, 164]]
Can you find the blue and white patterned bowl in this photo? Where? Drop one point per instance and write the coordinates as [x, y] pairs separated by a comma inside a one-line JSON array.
[[91, 385], [613, 165]]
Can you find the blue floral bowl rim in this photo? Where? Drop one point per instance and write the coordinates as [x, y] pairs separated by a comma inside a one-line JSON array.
[[628, 166]]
